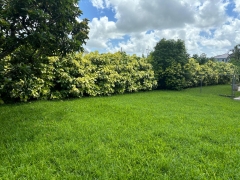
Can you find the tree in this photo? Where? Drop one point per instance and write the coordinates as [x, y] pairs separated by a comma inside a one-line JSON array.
[[168, 59], [202, 59], [47, 27], [195, 56], [235, 53], [234, 56]]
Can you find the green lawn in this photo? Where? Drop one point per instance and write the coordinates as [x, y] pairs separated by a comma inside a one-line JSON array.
[[147, 135]]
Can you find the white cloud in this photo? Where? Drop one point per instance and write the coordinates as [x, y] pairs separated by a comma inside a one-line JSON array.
[[139, 43], [203, 24], [141, 15], [101, 4], [101, 30], [211, 13], [237, 5], [223, 39], [98, 4], [107, 3], [215, 43]]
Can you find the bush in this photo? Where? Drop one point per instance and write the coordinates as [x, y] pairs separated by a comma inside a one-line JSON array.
[[22, 80], [174, 70], [73, 76], [210, 73], [102, 74]]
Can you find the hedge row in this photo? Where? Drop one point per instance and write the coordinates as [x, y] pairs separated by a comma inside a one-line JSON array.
[[97, 74], [178, 76], [210, 73], [74, 76]]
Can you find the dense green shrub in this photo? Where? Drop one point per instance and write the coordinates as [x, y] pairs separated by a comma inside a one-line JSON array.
[[168, 60], [193, 73], [26, 77], [174, 70], [174, 77], [210, 73], [25, 80], [102, 74], [73, 76]]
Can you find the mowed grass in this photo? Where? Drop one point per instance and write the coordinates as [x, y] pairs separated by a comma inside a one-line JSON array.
[[147, 135]]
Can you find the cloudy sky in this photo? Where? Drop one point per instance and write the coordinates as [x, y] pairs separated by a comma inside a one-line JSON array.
[[135, 26]]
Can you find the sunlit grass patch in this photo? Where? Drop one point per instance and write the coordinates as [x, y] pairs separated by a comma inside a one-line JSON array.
[[148, 135]]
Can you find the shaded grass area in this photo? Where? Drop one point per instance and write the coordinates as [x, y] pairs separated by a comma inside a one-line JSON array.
[[148, 135]]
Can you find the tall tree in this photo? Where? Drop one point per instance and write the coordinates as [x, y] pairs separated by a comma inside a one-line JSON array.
[[48, 27], [168, 51], [168, 59]]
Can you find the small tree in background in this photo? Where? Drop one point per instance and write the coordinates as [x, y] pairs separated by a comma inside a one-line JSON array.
[[168, 60], [202, 59], [234, 56]]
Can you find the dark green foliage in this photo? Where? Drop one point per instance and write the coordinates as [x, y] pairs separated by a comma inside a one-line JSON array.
[[174, 77], [30, 32], [168, 51], [168, 59], [235, 53], [202, 59], [234, 57], [47, 27], [235, 62]]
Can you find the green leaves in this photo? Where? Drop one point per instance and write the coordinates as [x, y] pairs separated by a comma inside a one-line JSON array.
[[174, 70], [42, 25], [74, 76], [167, 55], [103, 74], [210, 73]]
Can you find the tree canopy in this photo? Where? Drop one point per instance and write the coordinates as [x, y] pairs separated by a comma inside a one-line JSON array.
[[49, 27], [202, 59], [168, 59], [234, 56], [168, 51]]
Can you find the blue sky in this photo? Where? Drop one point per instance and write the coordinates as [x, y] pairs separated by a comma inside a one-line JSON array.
[[207, 26]]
